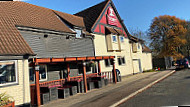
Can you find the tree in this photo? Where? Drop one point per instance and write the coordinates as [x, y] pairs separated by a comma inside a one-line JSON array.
[[168, 35], [141, 35]]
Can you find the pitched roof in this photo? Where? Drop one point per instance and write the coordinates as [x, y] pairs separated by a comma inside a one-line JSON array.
[[111, 30], [91, 14], [72, 19], [146, 49], [16, 13], [118, 31], [134, 39]]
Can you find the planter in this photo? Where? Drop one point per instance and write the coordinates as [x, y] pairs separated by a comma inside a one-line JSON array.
[[73, 90], [53, 93], [75, 83], [82, 87], [63, 92], [44, 98], [106, 81], [9, 105], [98, 84], [90, 85], [103, 82]]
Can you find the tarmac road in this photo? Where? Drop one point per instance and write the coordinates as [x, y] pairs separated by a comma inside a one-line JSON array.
[[173, 91], [110, 94]]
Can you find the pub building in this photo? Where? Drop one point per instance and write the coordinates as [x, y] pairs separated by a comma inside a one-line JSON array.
[[47, 54], [111, 37]]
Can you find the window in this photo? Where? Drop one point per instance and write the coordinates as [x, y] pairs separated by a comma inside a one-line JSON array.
[[134, 47], [8, 72], [107, 62], [121, 60], [42, 73], [138, 46], [91, 67], [114, 38], [79, 33], [121, 38]]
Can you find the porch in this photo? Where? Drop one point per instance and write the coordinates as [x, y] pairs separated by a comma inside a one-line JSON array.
[[67, 81]]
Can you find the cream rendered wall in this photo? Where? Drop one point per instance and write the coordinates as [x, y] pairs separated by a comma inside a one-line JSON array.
[[101, 50], [138, 54], [21, 91], [146, 61]]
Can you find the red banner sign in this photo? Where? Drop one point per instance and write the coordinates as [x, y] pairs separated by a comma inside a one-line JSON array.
[[111, 17]]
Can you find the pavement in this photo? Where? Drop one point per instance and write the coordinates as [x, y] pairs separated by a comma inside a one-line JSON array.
[[172, 91], [110, 94]]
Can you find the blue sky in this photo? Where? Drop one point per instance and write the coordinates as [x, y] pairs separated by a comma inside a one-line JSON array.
[[137, 14]]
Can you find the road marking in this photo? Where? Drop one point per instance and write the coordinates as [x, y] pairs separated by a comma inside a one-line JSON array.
[[141, 90]]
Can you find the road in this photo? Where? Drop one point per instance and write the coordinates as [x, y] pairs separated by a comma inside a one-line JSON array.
[[173, 91], [110, 94]]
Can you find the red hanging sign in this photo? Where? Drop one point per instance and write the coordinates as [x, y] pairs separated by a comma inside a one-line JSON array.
[[111, 17]]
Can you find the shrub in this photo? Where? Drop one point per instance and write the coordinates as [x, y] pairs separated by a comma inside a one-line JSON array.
[[5, 99]]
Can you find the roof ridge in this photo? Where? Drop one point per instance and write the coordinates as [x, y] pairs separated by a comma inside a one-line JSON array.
[[91, 6], [67, 13], [45, 8]]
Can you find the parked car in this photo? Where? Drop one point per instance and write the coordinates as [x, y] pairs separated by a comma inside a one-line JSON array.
[[186, 63], [183, 63], [179, 64]]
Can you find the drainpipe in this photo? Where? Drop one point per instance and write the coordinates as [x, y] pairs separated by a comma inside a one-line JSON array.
[[93, 45]]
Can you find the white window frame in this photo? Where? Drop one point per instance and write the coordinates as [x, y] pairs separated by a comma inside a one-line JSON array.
[[120, 58], [40, 78], [115, 38], [16, 73], [76, 33]]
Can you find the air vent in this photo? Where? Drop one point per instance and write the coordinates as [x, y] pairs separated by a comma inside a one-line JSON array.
[[45, 36]]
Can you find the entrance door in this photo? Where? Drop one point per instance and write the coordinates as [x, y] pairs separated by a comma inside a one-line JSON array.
[[137, 65]]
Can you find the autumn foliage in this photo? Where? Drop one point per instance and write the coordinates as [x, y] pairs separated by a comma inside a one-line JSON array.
[[167, 34]]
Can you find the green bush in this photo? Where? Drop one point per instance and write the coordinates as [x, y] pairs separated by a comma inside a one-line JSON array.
[[5, 99]]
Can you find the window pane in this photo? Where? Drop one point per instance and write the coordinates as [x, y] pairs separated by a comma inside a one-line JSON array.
[[107, 63], [42, 71], [79, 32], [119, 61], [138, 46], [7, 72], [121, 39], [31, 73], [123, 60], [114, 38], [88, 67]]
